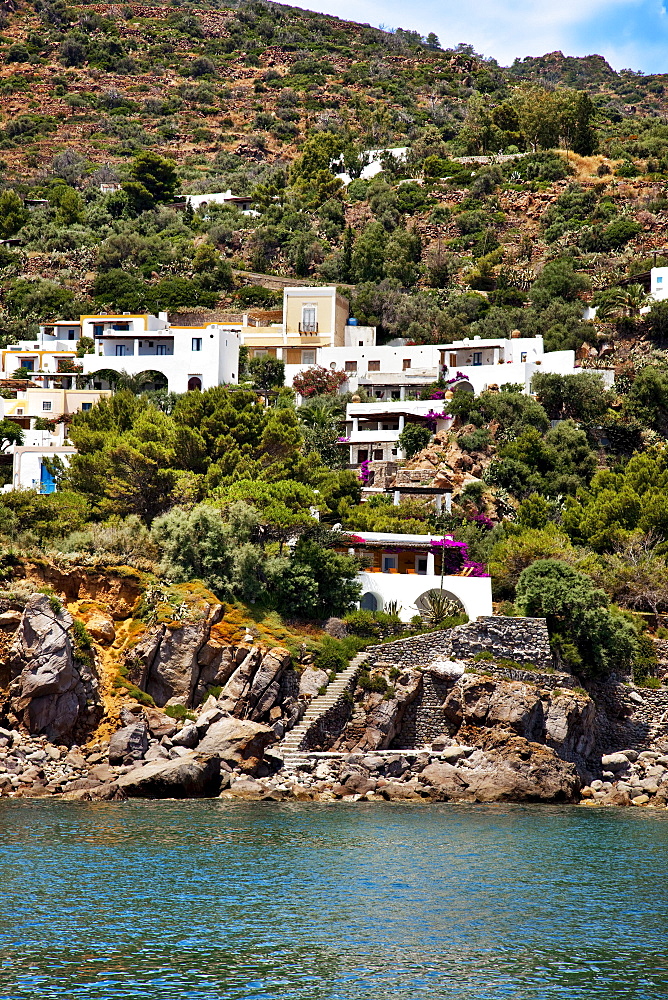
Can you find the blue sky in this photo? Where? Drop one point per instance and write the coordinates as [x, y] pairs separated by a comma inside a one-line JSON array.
[[630, 34]]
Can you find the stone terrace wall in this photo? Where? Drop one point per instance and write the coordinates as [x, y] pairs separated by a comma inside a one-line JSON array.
[[625, 723], [524, 640]]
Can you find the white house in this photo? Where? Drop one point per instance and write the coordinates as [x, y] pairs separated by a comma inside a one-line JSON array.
[[188, 358], [373, 429], [659, 283], [403, 569], [31, 469], [242, 202]]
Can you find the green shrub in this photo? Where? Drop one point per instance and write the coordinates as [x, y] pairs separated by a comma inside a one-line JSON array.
[[514, 665], [179, 712], [484, 654], [377, 684]]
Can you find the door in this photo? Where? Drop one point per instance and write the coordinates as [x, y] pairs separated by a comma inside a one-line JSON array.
[[47, 482]]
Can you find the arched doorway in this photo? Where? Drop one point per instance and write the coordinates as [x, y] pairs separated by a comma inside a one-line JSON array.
[[194, 383], [371, 602], [437, 603]]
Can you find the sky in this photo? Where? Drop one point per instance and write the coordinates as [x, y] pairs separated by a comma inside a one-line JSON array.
[[630, 34]]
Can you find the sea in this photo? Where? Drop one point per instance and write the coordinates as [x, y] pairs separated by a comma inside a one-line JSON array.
[[216, 900]]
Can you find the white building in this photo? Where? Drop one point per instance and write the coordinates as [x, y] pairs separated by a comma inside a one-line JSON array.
[[242, 202], [405, 568], [187, 357], [374, 163], [31, 467], [373, 429], [403, 372], [659, 283]]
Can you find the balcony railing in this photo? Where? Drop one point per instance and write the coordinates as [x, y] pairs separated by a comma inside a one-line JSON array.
[[308, 327]]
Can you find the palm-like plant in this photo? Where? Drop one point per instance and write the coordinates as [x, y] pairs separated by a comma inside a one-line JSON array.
[[435, 607], [635, 297]]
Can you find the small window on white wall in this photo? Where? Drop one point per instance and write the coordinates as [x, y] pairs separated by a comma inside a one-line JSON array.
[[197, 343], [308, 357], [46, 405], [389, 562]]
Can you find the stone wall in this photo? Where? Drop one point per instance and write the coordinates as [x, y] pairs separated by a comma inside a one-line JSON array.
[[524, 640], [628, 718]]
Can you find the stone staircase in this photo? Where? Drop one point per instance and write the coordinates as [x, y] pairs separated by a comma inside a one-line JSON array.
[[290, 748]]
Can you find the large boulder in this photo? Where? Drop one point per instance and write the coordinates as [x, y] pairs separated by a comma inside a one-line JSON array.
[[234, 695], [266, 685], [129, 743], [510, 768], [52, 693], [238, 742], [172, 673], [488, 701], [311, 681], [186, 777]]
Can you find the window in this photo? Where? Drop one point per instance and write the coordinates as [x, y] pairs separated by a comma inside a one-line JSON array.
[[150, 343], [407, 363], [308, 357], [260, 353], [120, 350], [360, 343], [46, 405], [379, 393], [523, 356], [162, 349], [421, 565], [98, 329], [71, 335], [659, 280], [378, 455], [197, 344], [309, 318], [121, 326], [477, 357], [28, 364], [20, 412], [351, 366], [362, 455], [396, 394], [86, 406], [389, 562], [453, 360], [374, 366]]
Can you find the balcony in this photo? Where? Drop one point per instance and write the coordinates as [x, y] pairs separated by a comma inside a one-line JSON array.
[[308, 328]]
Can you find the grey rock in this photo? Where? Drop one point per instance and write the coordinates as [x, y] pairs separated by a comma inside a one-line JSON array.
[[190, 776], [131, 741], [615, 761], [186, 737], [239, 742], [50, 691], [311, 681]]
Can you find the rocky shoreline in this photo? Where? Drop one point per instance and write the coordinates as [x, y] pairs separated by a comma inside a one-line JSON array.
[[415, 720]]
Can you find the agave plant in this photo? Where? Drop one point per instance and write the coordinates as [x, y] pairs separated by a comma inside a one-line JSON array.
[[436, 606]]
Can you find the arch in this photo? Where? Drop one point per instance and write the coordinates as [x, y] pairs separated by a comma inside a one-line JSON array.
[[422, 602], [463, 385], [194, 383], [150, 380], [371, 602]]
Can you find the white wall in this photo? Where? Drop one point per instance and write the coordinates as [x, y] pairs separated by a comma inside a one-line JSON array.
[[475, 592], [215, 363], [27, 466]]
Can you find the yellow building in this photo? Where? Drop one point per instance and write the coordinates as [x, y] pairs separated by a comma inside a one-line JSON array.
[[313, 317]]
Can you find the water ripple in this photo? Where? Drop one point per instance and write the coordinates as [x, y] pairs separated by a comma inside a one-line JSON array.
[[213, 900]]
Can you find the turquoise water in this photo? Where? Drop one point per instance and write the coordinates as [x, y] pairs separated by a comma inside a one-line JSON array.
[[211, 900]]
